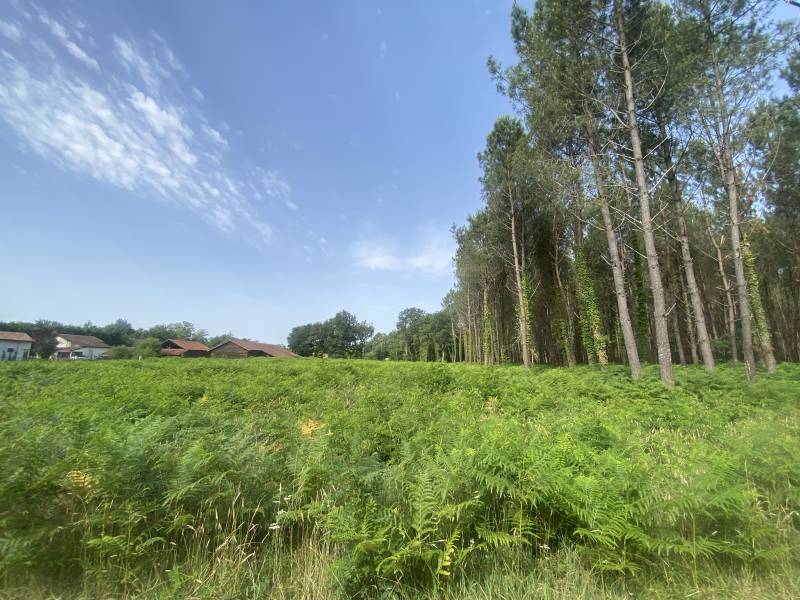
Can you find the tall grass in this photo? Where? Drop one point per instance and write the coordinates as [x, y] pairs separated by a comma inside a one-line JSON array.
[[314, 479]]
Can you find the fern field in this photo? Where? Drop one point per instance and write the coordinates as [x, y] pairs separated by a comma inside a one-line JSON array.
[[264, 478]]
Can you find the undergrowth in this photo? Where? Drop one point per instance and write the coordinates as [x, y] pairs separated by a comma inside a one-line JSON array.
[[313, 478]]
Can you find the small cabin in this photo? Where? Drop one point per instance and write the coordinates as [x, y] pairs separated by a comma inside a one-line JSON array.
[[15, 345], [184, 348], [234, 348]]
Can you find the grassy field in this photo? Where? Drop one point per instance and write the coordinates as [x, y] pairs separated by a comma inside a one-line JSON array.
[[259, 478]]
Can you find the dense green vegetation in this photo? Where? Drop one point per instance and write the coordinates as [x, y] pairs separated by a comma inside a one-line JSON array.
[[341, 336], [209, 478]]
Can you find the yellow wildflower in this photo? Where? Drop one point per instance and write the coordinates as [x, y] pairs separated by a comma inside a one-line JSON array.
[[310, 427]]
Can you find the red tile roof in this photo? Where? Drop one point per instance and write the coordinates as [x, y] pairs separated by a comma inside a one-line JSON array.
[[15, 336], [189, 344], [270, 349]]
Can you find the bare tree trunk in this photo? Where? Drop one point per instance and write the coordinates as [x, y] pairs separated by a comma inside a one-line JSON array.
[[672, 291], [730, 312], [729, 177], [676, 331], [486, 329], [523, 313], [689, 319], [686, 255], [468, 343], [631, 349], [659, 308], [569, 341]]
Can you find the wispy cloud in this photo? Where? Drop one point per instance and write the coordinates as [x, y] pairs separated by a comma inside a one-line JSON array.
[[432, 252], [60, 33], [383, 49], [150, 70], [274, 185], [215, 136], [11, 31], [129, 124]]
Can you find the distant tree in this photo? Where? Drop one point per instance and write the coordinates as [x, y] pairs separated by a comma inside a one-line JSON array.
[[118, 333], [44, 337], [119, 352], [180, 331], [408, 324], [218, 339], [305, 339], [419, 336], [501, 162], [341, 336], [147, 347]]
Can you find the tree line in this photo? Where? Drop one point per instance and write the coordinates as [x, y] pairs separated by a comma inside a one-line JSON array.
[[643, 202]]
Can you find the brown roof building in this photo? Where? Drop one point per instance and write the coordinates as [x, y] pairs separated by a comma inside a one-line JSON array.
[[185, 348], [15, 345], [15, 336], [70, 345], [235, 348]]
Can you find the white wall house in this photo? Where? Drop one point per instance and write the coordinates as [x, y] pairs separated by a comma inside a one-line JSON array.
[[15, 345], [79, 346]]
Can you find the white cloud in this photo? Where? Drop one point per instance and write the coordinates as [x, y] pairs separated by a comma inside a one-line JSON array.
[[291, 205], [150, 71], [11, 31], [199, 96], [215, 136], [168, 54], [432, 253], [274, 185], [383, 49], [165, 121], [60, 33], [126, 128]]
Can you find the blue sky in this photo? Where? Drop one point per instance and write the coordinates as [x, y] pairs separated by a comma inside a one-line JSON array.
[[244, 166]]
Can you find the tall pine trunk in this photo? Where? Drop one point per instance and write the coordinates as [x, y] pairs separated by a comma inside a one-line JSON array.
[[688, 308], [656, 286], [759, 316], [729, 177], [523, 312], [567, 331], [730, 309], [631, 349], [686, 255]]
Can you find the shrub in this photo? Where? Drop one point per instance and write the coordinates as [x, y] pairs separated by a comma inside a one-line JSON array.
[[147, 348]]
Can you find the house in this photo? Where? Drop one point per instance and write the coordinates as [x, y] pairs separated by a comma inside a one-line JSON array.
[[185, 348], [15, 345], [79, 346], [234, 348]]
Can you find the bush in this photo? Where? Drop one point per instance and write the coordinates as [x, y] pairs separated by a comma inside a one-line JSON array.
[[147, 348], [118, 352]]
